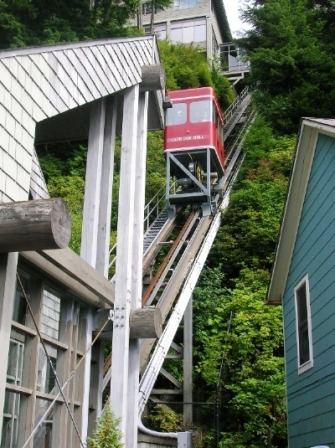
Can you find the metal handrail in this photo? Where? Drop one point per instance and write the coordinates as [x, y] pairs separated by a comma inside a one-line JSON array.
[[151, 211], [229, 112], [153, 208]]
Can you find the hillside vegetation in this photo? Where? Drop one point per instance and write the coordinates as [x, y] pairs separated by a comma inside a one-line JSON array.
[[238, 339]]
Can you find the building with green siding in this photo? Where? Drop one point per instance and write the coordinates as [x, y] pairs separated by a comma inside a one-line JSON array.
[[303, 281]]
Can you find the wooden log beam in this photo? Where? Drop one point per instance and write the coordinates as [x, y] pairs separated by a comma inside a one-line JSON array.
[[34, 225], [153, 78], [144, 323]]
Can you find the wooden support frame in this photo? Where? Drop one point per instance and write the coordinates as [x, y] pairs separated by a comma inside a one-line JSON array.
[[137, 255], [124, 275], [8, 264]]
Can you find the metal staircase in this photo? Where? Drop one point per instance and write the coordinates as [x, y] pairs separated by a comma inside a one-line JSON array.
[[153, 233]]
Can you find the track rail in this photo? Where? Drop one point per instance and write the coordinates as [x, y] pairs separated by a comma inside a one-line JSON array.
[[186, 276]]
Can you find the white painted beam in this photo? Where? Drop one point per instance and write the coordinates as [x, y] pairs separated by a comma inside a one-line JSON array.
[[123, 281], [90, 231], [106, 185], [137, 271], [92, 183]]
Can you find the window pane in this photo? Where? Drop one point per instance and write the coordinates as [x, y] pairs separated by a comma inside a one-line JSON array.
[[15, 362], [10, 420], [43, 437], [303, 324], [176, 35], [184, 4], [160, 31], [46, 381], [188, 34], [200, 111], [176, 115], [200, 33]]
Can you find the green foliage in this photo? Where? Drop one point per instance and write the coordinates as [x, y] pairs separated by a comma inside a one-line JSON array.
[[246, 337], [155, 172], [71, 189], [63, 166], [292, 63], [249, 232], [163, 418], [186, 66], [238, 339], [38, 22], [107, 434]]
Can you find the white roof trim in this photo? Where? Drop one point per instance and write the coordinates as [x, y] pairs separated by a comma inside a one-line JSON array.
[[308, 136], [70, 46]]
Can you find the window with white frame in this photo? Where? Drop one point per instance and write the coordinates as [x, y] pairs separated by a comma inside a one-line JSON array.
[[188, 31], [303, 325], [185, 4]]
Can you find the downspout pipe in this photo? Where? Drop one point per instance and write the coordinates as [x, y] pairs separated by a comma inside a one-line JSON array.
[[151, 432], [184, 439]]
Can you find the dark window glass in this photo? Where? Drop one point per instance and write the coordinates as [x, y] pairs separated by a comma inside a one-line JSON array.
[[20, 308], [303, 333]]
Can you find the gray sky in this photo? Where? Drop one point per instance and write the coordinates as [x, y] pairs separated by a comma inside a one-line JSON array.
[[232, 11]]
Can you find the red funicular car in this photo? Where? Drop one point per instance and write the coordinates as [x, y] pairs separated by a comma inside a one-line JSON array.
[[193, 145]]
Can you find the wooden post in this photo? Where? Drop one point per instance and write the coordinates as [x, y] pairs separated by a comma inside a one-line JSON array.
[[8, 264], [137, 268], [90, 232], [92, 183], [106, 185], [124, 269], [34, 225]]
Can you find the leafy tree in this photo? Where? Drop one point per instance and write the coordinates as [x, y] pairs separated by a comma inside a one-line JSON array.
[[64, 168], [292, 69], [38, 22]]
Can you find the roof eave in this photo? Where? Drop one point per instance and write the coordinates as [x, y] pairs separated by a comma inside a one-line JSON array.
[[222, 20], [302, 164]]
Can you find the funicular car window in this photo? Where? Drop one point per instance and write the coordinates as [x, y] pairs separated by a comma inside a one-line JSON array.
[[177, 114], [201, 111]]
